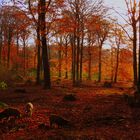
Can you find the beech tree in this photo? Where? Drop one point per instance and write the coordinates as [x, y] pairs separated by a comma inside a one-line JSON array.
[[24, 39], [91, 40], [139, 52], [79, 11], [36, 24], [46, 13], [10, 29], [119, 41], [102, 33], [133, 17], [45, 59], [44, 8], [8, 32], [1, 35]]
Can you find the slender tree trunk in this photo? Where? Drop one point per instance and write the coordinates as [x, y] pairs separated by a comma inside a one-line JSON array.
[[117, 64], [59, 58], [77, 58], [9, 47], [24, 56], [81, 56], [27, 59], [49, 50], [39, 62], [139, 54], [135, 53], [17, 47], [35, 59], [89, 66], [73, 58], [1, 46], [72, 49], [4, 49], [17, 43], [89, 59], [100, 63], [112, 72], [38, 55], [46, 65], [77, 44], [66, 60], [74, 61]]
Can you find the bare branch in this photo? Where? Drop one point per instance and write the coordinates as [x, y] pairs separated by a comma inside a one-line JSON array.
[[123, 17], [125, 31], [29, 4]]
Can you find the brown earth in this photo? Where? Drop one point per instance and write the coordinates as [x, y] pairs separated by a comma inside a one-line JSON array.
[[98, 113]]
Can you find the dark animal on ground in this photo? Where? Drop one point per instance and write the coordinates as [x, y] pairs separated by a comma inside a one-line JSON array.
[[107, 84], [43, 126], [59, 121], [69, 97], [10, 112], [20, 90]]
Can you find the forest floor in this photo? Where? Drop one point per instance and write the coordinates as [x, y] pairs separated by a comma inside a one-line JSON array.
[[98, 113]]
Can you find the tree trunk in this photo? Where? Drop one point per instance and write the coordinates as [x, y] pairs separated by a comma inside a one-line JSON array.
[[24, 56], [77, 44], [4, 49], [89, 66], [17, 47], [66, 60], [46, 65], [39, 62], [17, 43], [59, 58], [89, 59], [117, 64], [27, 60], [38, 55], [81, 56], [100, 63], [9, 47], [77, 60], [112, 72], [139, 54], [1, 46], [73, 58], [135, 53]]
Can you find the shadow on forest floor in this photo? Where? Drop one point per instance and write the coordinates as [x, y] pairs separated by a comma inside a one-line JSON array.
[[97, 113]]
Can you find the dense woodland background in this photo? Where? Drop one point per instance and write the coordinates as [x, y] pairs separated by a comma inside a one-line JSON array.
[[68, 39]]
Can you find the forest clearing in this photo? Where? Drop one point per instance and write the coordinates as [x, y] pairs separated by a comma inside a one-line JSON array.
[[96, 113], [69, 70]]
